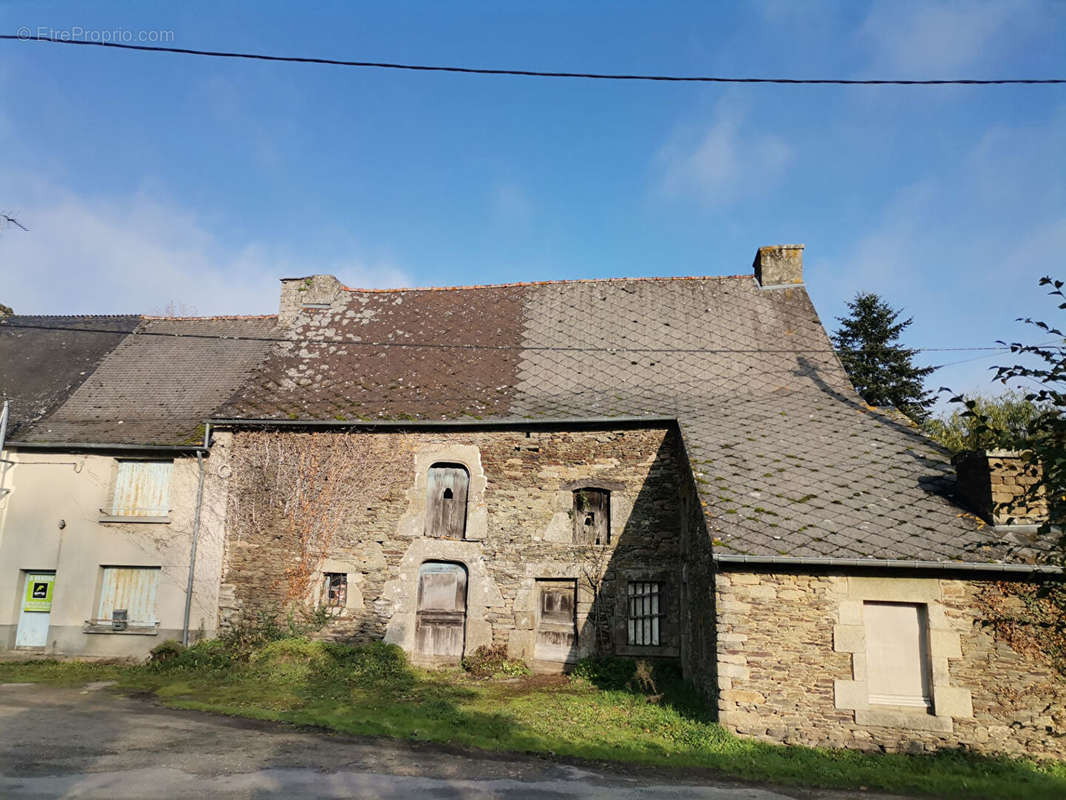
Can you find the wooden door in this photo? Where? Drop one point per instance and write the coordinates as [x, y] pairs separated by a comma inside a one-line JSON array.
[[440, 626], [447, 488], [556, 628], [592, 516]]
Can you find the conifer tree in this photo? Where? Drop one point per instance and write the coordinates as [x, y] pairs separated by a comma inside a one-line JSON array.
[[881, 369]]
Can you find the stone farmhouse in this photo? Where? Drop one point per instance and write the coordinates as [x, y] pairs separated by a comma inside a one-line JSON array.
[[662, 468]]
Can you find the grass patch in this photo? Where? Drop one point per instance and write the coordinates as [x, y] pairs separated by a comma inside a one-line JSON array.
[[611, 709]]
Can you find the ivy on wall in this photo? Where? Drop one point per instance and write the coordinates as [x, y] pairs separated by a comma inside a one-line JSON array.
[[1030, 618]]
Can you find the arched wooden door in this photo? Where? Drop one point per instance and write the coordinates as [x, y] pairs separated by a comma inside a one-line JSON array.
[[440, 626]]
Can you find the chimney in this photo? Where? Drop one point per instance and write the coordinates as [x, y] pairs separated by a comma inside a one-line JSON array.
[[990, 480], [779, 265], [300, 296]]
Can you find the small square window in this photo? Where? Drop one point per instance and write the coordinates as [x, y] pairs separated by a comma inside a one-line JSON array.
[[335, 589], [645, 613]]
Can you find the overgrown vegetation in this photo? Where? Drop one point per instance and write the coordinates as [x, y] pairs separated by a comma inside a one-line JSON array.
[[1029, 617], [492, 662], [613, 709], [302, 488], [1042, 366], [1006, 422]]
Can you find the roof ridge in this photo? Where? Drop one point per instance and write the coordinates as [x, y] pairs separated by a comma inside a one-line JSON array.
[[74, 316], [547, 283], [157, 318]]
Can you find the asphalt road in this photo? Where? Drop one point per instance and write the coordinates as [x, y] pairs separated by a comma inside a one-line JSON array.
[[91, 742]]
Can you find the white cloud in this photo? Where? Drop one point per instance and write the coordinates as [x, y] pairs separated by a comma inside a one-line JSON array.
[[938, 38], [723, 161], [136, 254]]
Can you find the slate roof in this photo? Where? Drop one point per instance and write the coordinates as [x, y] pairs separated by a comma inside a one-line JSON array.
[[156, 384], [44, 359], [788, 461]]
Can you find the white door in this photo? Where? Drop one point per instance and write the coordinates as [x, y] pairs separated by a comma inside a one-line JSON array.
[[35, 610]]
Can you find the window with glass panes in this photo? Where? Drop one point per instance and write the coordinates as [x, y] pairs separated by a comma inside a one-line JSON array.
[[645, 612]]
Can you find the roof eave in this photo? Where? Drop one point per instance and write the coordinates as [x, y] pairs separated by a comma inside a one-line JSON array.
[[883, 563], [461, 424]]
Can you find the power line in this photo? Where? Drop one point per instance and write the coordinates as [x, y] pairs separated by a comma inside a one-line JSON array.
[[459, 346], [529, 73]]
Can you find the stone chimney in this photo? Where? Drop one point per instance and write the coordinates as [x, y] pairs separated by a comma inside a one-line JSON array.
[[302, 295], [990, 480], [779, 265]]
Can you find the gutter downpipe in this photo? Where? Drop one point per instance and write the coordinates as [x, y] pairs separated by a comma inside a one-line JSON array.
[[195, 535]]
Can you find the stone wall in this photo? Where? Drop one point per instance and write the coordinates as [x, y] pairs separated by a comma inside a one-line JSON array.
[[995, 483], [519, 530], [791, 661]]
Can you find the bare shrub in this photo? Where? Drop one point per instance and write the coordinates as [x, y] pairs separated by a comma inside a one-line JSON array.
[[303, 487]]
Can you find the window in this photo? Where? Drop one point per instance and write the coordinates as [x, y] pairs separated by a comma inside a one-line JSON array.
[[645, 615], [142, 490], [897, 654], [335, 590], [446, 490], [592, 516], [127, 598]]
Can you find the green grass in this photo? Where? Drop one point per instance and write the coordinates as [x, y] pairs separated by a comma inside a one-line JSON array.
[[372, 690]]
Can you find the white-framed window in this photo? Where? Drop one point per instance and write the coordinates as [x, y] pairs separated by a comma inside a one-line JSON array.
[[142, 489], [127, 598], [644, 601], [897, 654]]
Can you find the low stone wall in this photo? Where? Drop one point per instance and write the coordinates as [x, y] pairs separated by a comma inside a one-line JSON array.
[[791, 666]]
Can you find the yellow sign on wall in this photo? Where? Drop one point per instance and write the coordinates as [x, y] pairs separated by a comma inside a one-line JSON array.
[[38, 592]]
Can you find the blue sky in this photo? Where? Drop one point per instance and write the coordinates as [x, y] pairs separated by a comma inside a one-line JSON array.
[[151, 181]]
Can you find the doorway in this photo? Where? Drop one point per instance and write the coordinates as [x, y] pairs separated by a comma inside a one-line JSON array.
[[556, 628], [440, 625], [35, 609]]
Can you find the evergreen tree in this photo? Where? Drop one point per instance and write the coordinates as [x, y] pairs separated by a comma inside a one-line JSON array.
[[881, 369]]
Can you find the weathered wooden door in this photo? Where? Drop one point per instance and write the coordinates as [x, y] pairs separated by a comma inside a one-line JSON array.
[[440, 627], [592, 516], [447, 488], [556, 629]]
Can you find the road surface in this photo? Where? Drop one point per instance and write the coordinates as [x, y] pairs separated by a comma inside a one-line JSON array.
[[92, 742]]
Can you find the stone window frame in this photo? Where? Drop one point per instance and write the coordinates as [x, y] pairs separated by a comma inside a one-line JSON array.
[[328, 600], [944, 644], [670, 609], [606, 521], [618, 509], [413, 523]]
